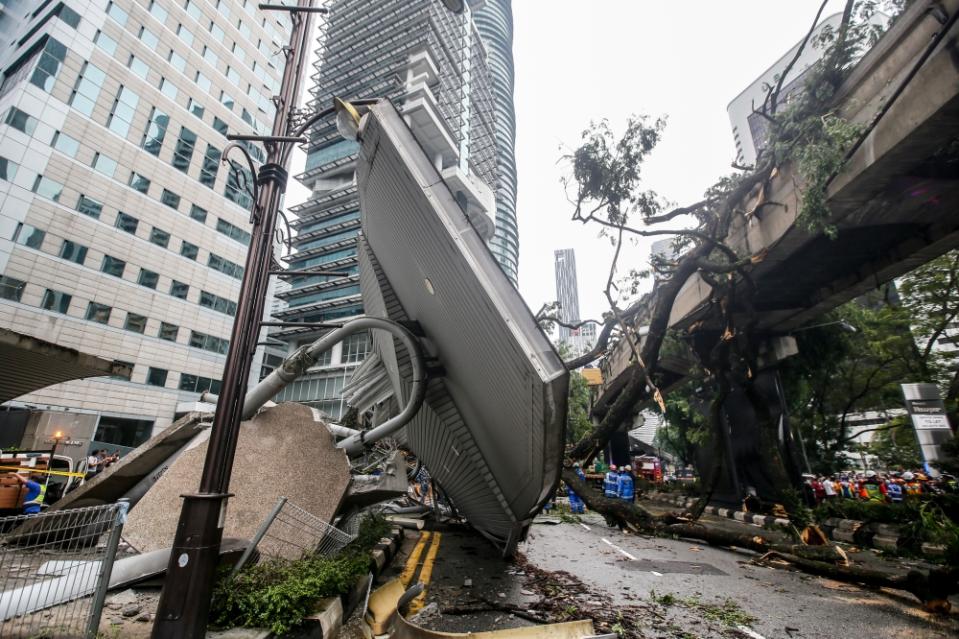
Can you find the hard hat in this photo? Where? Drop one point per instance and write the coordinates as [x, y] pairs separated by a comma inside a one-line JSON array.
[[612, 466], [870, 473], [575, 464], [628, 467]]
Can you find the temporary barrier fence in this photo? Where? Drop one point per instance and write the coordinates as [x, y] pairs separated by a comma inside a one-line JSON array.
[[49, 558]]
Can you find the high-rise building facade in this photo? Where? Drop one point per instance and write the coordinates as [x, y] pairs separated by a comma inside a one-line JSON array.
[[579, 340], [121, 233], [429, 60], [494, 20]]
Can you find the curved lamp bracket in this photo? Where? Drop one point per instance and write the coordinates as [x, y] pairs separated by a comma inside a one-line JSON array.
[[252, 189]]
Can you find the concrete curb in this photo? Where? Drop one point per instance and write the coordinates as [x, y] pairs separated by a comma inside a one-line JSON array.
[[728, 513], [881, 536], [327, 622]]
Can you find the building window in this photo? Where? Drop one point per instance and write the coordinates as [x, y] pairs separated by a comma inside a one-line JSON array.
[[210, 167], [29, 236], [179, 289], [197, 384], [89, 206], [183, 151], [21, 121], [210, 57], [232, 232], [68, 15], [156, 376], [106, 43], [11, 288], [356, 348], [227, 100], [168, 89], [159, 237], [148, 278], [178, 61], [139, 183], [220, 126], [120, 364], [224, 265], [155, 131], [104, 164], [119, 431], [185, 34], [135, 323], [73, 251], [56, 301], [198, 213], [99, 313], [217, 303], [168, 332], [65, 144], [49, 65], [116, 13], [47, 188], [158, 11], [171, 199], [195, 108], [124, 108], [8, 169], [188, 250], [126, 222], [209, 342], [149, 38], [234, 192], [139, 67], [203, 82], [112, 266], [87, 88]]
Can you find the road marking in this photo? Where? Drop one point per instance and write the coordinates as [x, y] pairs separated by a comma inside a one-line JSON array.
[[658, 574], [749, 632], [585, 526], [413, 561], [426, 573], [614, 546]]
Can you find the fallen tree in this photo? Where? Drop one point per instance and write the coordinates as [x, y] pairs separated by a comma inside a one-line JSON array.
[[606, 192]]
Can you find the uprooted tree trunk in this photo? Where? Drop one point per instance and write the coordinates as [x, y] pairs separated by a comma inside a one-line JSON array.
[[607, 177]]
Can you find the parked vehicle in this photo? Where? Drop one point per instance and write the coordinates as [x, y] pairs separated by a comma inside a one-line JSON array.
[[12, 492]]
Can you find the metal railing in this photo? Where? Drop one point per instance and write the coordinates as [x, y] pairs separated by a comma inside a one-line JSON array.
[[55, 569], [290, 532]]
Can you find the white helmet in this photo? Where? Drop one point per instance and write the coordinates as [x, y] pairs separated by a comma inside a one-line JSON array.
[[908, 476], [627, 468], [870, 473]]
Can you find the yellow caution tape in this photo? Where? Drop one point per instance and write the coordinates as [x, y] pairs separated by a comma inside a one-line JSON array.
[[28, 469]]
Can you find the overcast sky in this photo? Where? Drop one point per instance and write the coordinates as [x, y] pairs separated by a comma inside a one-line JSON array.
[[577, 61], [580, 60]]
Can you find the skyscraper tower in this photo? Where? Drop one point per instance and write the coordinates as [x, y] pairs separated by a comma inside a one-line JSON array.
[[121, 234], [429, 61], [567, 290], [494, 20]]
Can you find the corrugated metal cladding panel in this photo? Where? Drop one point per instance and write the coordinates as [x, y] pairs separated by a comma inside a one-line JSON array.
[[503, 399], [30, 364]]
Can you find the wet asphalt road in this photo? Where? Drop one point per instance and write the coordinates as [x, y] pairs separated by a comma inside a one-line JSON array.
[[785, 604]]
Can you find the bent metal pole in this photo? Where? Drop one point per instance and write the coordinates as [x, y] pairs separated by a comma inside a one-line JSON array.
[[185, 601]]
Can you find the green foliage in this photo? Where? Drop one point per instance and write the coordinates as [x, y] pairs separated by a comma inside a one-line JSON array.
[[839, 373], [577, 416], [896, 446], [818, 160], [728, 612], [277, 594]]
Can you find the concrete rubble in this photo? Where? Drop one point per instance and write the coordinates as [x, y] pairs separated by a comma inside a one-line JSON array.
[[282, 451]]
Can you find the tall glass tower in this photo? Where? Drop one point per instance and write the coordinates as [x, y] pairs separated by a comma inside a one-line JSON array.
[[494, 19], [429, 61]]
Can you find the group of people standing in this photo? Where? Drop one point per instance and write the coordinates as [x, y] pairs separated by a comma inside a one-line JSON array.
[[98, 461], [616, 485], [870, 486]]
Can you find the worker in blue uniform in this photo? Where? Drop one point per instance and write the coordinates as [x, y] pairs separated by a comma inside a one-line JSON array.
[[576, 505], [35, 493], [611, 483], [626, 485]]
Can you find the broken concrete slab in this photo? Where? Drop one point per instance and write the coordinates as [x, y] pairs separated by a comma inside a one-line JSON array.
[[366, 490], [282, 451], [137, 468]]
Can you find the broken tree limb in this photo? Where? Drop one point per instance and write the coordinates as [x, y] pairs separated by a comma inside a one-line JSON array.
[[932, 589]]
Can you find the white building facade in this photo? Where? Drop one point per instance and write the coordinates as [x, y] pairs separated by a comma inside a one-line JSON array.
[[121, 233]]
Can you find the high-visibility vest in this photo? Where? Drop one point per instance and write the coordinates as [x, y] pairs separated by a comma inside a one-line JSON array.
[[913, 488], [625, 487], [611, 484], [38, 500], [871, 492]]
